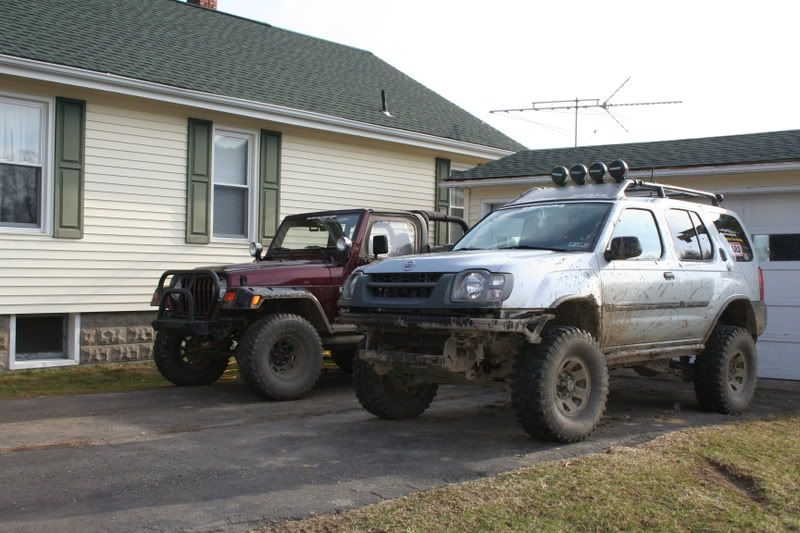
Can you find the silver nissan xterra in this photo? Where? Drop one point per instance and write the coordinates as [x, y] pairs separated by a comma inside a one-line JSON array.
[[548, 293]]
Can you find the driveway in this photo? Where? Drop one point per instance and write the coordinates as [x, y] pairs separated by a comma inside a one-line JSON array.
[[216, 459]]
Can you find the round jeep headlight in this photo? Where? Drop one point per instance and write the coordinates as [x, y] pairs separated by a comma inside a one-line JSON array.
[[481, 286]]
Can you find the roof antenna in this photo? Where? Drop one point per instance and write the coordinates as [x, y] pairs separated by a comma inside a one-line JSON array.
[[384, 108]]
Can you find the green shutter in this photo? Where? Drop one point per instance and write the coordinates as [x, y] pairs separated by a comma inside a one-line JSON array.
[[68, 174], [198, 182], [442, 197], [270, 182]]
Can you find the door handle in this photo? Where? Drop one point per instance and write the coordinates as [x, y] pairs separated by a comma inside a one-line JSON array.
[[669, 275]]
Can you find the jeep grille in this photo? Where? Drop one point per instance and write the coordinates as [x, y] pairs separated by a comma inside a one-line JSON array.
[[202, 288], [402, 285]]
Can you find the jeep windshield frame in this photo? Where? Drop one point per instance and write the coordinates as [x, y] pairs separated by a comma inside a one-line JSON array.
[[563, 226], [313, 233]]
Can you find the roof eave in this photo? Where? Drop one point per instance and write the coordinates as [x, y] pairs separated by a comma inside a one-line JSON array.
[[89, 79]]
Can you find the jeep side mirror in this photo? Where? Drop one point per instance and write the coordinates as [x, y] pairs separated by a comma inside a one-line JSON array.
[[380, 245], [622, 248]]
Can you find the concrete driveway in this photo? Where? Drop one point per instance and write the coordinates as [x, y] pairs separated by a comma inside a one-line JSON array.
[[217, 459]]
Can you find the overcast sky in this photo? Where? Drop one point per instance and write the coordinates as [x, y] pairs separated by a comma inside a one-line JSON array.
[[734, 64]]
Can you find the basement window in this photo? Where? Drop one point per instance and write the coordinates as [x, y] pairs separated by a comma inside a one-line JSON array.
[[38, 341]]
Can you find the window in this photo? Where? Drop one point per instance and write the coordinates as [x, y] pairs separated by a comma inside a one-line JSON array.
[[44, 340], [781, 247], [23, 156], [642, 224], [734, 235], [233, 178], [401, 235], [686, 230], [456, 210]]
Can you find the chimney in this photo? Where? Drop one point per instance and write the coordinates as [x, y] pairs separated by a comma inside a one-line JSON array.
[[208, 4]]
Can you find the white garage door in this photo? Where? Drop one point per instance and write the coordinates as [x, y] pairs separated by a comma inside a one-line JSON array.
[[774, 222]]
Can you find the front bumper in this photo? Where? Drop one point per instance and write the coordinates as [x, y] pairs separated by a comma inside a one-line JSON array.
[[528, 327]]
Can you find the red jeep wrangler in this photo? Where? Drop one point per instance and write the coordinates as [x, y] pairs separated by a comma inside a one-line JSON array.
[[277, 314]]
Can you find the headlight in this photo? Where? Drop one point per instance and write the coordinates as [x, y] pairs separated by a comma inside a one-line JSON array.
[[349, 285], [481, 286]]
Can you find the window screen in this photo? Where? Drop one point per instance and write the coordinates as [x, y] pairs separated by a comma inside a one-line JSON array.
[[231, 186], [21, 162]]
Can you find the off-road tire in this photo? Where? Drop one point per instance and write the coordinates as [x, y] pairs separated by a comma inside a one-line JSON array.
[[540, 390], [727, 370], [181, 370], [382, 397], [343, 357], [280, 357]]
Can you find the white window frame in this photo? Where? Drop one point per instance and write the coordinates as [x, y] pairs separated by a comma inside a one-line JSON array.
[[252, 181], [73, 349], [486, 202], [48, 140]]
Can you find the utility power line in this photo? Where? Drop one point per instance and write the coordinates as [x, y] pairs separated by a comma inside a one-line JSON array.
[[585, 103]]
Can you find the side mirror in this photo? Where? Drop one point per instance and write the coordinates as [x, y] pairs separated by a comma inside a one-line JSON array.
[[380, 245], [622, 248]]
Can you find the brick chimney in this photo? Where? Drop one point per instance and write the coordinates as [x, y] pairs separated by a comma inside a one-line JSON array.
[[208, 4]]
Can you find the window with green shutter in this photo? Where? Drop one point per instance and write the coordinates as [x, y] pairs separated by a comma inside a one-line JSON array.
[[198, 182], [270, 181], [442, 198], [68, 169]]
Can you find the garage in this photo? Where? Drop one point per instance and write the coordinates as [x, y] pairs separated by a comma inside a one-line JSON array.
[[774, 223], [759, 174]]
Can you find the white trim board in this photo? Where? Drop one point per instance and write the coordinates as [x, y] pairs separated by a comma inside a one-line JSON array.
[[77, 77]]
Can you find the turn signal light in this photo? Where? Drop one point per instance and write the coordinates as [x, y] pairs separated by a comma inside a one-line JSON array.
[[255, 300], [229, 296]]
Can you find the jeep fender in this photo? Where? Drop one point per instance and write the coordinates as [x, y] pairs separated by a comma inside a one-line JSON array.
[[282, 300]]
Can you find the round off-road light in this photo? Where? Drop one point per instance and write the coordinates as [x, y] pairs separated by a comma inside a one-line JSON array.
[[597, 171], [559, 175], [578, 174], [618, 169], [256, 249]]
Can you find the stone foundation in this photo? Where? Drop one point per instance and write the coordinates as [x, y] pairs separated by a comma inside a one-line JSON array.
[[116, 337]]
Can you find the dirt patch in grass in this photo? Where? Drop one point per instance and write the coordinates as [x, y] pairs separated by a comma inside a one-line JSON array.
[[743, 476]]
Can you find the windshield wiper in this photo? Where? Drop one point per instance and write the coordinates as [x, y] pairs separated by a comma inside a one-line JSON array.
[[524, 247], [468, 249]]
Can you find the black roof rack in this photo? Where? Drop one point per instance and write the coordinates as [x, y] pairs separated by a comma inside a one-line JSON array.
[[671, 191]]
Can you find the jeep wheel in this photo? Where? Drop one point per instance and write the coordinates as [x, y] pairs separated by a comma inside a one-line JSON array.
[[343, 357], [184, 365], [560, 386], [726, 371], [280, 357], [384, 397]]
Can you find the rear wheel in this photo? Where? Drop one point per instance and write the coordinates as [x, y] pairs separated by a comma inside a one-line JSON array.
[[560, 386], [185, 362], [726, 371], [280, 357], [386, 397]]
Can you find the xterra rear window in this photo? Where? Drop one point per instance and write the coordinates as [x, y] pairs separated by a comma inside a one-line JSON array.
[[732, 231]]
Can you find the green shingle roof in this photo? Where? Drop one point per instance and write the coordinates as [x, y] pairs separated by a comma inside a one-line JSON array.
[[172, 43], [728, 150]]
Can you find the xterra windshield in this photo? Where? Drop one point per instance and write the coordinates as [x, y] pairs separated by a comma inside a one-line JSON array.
[[318, 232], [567, 227]]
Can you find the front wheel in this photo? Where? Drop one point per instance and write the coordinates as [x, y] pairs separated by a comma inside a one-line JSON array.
[[385, 397], [185, 362], [560, 386], [726, 372], [280, 357]]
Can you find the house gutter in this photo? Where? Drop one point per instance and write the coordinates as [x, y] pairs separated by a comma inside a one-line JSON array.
[[647, 175], [89, 79]]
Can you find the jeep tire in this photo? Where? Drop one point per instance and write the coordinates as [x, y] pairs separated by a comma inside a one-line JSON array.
[[280, 356], [726, 372], [186, 368], [385, 398], [560, 386]]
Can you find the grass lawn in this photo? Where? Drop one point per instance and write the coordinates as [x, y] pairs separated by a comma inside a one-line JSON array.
[[742, 476]]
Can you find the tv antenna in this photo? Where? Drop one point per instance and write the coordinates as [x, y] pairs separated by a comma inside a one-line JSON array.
[[585, 103]]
